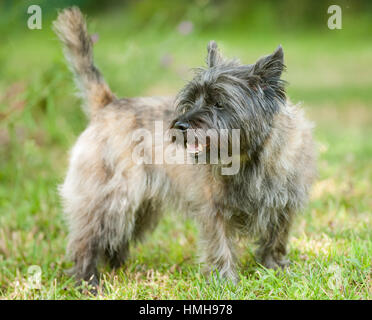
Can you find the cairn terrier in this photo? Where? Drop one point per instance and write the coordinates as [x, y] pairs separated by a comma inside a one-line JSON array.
[[111, 200]]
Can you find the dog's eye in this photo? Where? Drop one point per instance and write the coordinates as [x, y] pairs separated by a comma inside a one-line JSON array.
[[218, 106]]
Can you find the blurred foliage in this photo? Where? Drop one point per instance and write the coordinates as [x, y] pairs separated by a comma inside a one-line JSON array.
[[286, 15]]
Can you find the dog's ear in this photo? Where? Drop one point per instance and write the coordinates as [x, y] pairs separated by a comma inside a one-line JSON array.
[[268, 71], [214, 57], [270, 67]]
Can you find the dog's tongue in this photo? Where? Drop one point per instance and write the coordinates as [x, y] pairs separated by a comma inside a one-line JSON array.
[[194, 147]]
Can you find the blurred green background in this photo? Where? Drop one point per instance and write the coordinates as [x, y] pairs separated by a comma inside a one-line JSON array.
[[148, 48]]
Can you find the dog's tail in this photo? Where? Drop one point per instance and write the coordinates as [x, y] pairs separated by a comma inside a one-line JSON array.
[[71, 29]]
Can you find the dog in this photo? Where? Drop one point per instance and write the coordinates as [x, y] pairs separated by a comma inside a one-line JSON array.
[[110, 200]]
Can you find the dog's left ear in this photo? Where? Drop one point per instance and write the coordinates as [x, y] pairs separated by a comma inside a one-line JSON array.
[[268, 71], [214, 56]]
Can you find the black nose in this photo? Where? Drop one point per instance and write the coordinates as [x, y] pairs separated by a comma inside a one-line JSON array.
[[180, 125]]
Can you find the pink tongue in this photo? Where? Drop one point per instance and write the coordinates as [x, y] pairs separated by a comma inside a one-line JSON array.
[[192, 147]]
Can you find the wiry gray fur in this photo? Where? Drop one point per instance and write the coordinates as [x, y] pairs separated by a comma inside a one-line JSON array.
[[262, 198], [109, 201]]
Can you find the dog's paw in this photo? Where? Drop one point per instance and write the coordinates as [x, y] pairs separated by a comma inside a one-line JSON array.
[[270, 262], [88, 285], [222, 277]]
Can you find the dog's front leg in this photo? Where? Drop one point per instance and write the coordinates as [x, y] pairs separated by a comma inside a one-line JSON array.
[[218, 256], [273, 243]]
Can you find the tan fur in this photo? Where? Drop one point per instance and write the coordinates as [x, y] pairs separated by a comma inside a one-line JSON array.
[[109, 200], [71, 29], [104, 190]]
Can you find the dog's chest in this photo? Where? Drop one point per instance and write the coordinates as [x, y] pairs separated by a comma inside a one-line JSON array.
[[249, 196]]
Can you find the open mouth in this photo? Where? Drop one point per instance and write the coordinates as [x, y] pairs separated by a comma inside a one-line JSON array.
[[194, 148]]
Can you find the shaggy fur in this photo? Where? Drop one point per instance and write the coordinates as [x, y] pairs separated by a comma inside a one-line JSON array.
[[109, 200]]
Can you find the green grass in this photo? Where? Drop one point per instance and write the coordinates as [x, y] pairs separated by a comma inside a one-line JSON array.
[[40, 118]]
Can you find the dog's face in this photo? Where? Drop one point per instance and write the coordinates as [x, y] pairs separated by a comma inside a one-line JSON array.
[[229, 95]]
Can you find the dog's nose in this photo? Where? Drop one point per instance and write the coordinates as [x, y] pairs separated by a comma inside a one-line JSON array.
[[180, 125]]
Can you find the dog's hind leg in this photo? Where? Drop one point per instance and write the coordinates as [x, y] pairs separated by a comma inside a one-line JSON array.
[[99, 213], [83, 248], [116, 258], [118, 228], [146, 219]]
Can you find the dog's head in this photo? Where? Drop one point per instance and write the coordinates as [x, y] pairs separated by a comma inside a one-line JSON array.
[[229, 95]]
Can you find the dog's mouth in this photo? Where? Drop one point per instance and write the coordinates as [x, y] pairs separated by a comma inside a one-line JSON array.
[[193, 144], [195, 148]]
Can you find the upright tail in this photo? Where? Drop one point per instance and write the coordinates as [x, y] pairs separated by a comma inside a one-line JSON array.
[[71, 29]]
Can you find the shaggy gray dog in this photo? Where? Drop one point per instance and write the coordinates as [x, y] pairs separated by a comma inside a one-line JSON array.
[[110, 200]]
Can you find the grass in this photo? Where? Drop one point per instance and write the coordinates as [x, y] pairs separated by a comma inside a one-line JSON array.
[[40, 118]]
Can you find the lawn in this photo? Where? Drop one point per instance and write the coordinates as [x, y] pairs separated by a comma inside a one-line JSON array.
[[329, 72]]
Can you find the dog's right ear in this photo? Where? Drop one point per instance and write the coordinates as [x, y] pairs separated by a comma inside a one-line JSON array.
[[214, 57], [267, 73], [270, 68]]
